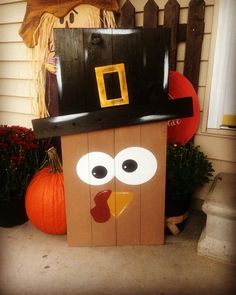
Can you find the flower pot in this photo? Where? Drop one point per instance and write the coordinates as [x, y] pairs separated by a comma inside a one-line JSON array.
[[176, 213], [12, 212]]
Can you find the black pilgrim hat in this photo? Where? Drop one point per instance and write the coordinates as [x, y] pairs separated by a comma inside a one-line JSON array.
[[109, 78]]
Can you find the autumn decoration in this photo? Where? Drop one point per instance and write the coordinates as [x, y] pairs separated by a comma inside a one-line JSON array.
[[45, 200], [21, 155]]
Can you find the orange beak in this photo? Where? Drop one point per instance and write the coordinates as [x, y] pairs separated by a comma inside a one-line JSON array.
[[119, 201], [110, 203]]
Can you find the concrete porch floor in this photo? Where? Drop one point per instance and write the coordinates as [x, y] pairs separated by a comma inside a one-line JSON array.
[[32, 262]]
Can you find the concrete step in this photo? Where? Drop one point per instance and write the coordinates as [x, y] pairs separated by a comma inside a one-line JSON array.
[[218, 238]]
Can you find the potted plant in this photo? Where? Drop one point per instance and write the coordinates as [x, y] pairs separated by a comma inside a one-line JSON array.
[[21, 155], [187, 168]]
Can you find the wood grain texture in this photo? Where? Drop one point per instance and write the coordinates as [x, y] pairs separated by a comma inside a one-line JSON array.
[[128, 223], [102, 233], [117, 117], [154, 138], [142, 52], [127, 16], [171, 21], [77, 194], [150, 17], [195, 30], [142, 222]]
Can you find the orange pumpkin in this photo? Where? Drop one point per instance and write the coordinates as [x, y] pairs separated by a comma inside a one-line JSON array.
[[45, 199]]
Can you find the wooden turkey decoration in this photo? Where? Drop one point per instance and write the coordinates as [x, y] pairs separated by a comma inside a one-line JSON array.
[[114, 109]]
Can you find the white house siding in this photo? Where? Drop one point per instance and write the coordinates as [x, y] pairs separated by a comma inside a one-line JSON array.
[[16, 78]]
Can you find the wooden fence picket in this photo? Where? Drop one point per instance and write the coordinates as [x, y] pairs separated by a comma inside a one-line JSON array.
[[171, 21], [194, 38], [150, 17], [191, 33], [127, 16]]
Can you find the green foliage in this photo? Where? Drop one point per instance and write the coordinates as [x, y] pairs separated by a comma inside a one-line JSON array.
[[21, 155], [187, 168]]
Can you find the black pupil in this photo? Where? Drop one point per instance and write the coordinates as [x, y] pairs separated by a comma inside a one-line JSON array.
[[129, 165], [99, 172]]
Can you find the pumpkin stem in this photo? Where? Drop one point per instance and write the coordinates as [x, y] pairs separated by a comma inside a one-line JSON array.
[[54, 161]]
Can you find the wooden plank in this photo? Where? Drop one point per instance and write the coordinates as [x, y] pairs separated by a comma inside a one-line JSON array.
[[150, 19], [171, 21], [128, 50], [182, 30], [99, 49], [102, 233], [195, 30], [143, 218], [78, 70], [72, 69], [154, 46], [153, 138], [127, 15], [128, 223], [104, 47], [77, 193]]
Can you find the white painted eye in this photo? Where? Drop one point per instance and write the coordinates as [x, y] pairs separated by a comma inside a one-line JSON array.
[[95, 168], [135, 165]]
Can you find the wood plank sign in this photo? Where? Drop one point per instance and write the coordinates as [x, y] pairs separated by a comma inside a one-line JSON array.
[[113, 107], [83, 52], [100, 69], [115, 185]]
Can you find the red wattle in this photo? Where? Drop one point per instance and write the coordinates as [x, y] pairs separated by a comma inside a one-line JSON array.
[[101, 212]]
